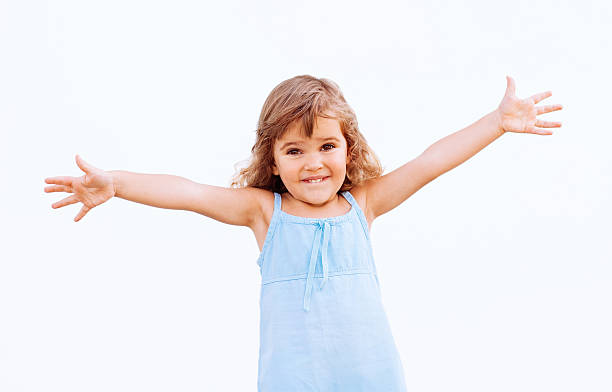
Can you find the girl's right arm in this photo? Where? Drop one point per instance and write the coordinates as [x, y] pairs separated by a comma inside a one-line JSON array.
[[235, 206]]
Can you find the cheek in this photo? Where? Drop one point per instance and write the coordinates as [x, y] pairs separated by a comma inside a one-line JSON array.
[[288, 167], [340, 163]]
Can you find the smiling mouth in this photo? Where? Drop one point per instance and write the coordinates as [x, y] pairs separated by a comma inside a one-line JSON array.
[[320, 180]]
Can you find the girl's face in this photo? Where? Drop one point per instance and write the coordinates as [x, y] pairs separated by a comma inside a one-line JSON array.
[[324, 156]]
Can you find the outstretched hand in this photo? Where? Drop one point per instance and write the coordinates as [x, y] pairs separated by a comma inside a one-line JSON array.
[[91, 189], [520, 115]]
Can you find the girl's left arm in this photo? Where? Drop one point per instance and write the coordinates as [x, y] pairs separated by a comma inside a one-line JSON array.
[[513, 115]]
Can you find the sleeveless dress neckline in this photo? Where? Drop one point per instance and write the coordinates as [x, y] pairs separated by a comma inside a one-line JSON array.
[[310, 220], [279, 215]]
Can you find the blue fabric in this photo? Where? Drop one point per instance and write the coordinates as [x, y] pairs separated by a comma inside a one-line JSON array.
[[329, 336]]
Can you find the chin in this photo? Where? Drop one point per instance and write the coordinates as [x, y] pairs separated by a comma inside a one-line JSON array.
[[319, 195]]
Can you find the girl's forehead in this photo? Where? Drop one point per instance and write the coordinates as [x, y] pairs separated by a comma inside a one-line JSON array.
[[323, 128]]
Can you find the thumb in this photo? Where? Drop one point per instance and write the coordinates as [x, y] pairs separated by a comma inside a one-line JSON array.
[[510, 86], [86, 167]]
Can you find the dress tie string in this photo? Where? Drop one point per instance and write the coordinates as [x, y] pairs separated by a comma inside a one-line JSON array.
[[322, 229]]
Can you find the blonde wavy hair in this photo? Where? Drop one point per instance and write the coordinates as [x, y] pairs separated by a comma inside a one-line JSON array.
[[302, 99]]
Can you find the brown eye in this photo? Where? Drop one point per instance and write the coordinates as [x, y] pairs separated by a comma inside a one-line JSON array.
[[289, 152], [329, 144]]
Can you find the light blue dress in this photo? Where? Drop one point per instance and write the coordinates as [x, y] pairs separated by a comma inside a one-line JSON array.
[[323, 326]]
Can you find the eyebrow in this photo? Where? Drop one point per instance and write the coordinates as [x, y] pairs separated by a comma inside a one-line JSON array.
[[321, 139]]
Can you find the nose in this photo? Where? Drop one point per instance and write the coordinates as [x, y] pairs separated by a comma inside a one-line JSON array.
[[313, 162]]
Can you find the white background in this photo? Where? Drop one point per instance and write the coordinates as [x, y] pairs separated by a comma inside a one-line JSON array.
[[495, 277]]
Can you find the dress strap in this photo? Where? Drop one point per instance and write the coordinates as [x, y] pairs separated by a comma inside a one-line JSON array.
[[271, 228], [364, 222]]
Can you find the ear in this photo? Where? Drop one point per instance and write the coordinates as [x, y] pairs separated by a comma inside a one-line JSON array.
[[274, 169]]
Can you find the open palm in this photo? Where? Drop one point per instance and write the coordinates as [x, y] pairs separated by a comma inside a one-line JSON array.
[[520, 115], [91, 189]]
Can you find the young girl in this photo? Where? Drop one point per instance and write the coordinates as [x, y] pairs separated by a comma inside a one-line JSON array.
[[310, 194]]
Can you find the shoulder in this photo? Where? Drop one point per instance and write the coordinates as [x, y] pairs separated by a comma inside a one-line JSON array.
[[264, 200]]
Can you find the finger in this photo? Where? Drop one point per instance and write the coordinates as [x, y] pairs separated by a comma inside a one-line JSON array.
[[548, 108], [540, 131], [81, 213], [538, 97], [510, 86], [547, 124], [86, 167], [66, 201], [58, 188], [63, 180]]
